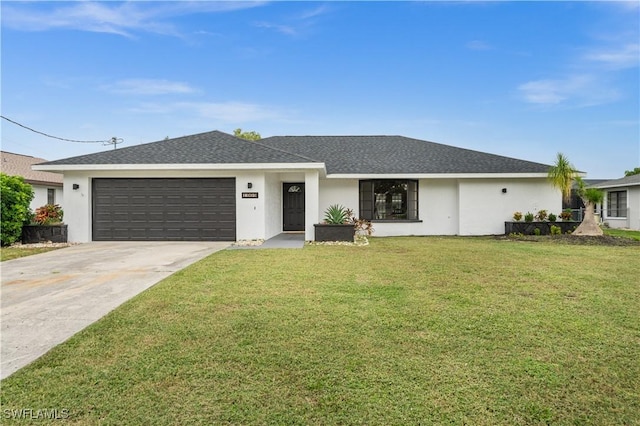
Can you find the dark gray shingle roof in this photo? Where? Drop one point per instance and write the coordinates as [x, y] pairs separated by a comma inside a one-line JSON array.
[[340, 154], [633, 180], [397, 155], [204, 148]]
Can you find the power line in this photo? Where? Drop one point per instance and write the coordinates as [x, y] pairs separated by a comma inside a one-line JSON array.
[[112, 141]]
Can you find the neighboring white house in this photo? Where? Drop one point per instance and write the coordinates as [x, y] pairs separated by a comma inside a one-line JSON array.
[[47, 186], [622, 202], [214, 186]]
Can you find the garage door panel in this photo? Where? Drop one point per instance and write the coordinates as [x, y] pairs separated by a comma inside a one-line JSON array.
[[195, 209]]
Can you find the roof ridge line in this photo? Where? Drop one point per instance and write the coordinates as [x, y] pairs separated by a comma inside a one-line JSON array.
[[281, 150]]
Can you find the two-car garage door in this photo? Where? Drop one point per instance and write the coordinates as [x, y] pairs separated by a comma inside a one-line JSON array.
[[164, 209]]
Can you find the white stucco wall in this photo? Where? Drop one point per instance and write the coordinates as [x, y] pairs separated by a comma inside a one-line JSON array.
[[311, 203], [40, 196], [77, 210], [438, 206], [484, 207], [338, 191], [633, 197], [273, 205], [250, 212]]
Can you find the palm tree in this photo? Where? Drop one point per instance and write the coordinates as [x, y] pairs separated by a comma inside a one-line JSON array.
[[590, 197], [562, 174]]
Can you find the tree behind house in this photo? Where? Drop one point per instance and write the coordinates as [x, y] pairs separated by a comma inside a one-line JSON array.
[[635, 171], [250, 136]]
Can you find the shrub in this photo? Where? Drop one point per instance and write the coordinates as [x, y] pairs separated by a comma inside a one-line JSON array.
[[541, 215], [528, 217], [566, 214], [537, 231], [48, 214], [16, 196], [363, 227], [517, 216], [552, 217], [555, 230]]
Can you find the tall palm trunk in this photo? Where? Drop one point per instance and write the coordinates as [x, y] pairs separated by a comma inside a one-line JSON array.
[[589, 226]]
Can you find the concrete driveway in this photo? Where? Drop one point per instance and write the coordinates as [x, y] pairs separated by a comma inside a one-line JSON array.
[[47, 298]]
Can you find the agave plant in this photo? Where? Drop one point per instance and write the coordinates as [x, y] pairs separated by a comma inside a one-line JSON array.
[[336, 215]]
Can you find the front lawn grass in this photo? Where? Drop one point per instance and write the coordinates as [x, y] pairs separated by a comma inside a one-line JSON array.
[[475, 331], [626, 233], [9, 253]]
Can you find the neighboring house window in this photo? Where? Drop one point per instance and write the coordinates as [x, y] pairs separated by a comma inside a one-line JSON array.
[[389, 199], [617, 204], [51, 196]]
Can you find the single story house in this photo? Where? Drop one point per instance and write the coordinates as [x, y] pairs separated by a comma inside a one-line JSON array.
[[47, 186], [214, 186], [622, 202]]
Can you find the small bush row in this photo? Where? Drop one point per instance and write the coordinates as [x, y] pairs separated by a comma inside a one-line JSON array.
[[542, 216]]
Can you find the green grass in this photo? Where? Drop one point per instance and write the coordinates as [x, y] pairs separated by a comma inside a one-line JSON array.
[[627, 233], [405, 331], [9, 253]]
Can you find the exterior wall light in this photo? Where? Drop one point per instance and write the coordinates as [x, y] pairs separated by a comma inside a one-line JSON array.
[[249, 185], [504, 190], [76, 186]]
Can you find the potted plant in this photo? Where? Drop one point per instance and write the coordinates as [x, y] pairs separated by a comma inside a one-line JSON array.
[[46, 225], [517, 216], [335, 226], [340, 224], [541, 215], [566, 215]]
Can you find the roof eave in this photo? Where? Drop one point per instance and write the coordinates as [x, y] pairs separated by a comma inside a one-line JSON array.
[[43, 182], [435, 175], [619, 185], [177, 166]]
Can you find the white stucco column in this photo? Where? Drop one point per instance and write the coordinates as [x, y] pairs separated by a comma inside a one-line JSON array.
[[77, 207], [311, 203]]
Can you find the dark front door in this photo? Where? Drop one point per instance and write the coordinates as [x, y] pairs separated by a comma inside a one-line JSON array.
[[293, 207]]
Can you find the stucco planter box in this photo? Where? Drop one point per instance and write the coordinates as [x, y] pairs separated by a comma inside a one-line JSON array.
[[32, 234], [528, 228], [325, 232]]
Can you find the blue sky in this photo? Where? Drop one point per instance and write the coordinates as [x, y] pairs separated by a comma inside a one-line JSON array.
[[520, 79]]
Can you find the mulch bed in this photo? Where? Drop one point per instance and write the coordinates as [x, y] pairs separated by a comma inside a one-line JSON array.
[[583, 240]]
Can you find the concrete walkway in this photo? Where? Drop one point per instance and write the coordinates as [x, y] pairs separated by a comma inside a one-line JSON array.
[[293, 240], [47, 298]]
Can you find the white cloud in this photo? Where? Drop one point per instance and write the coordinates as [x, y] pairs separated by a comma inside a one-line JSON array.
[[230, 111], [284, 29], [626, 56], [312, 13], [150, 87], [478, 45], [297, 24], [123, 19], [576, 90]]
